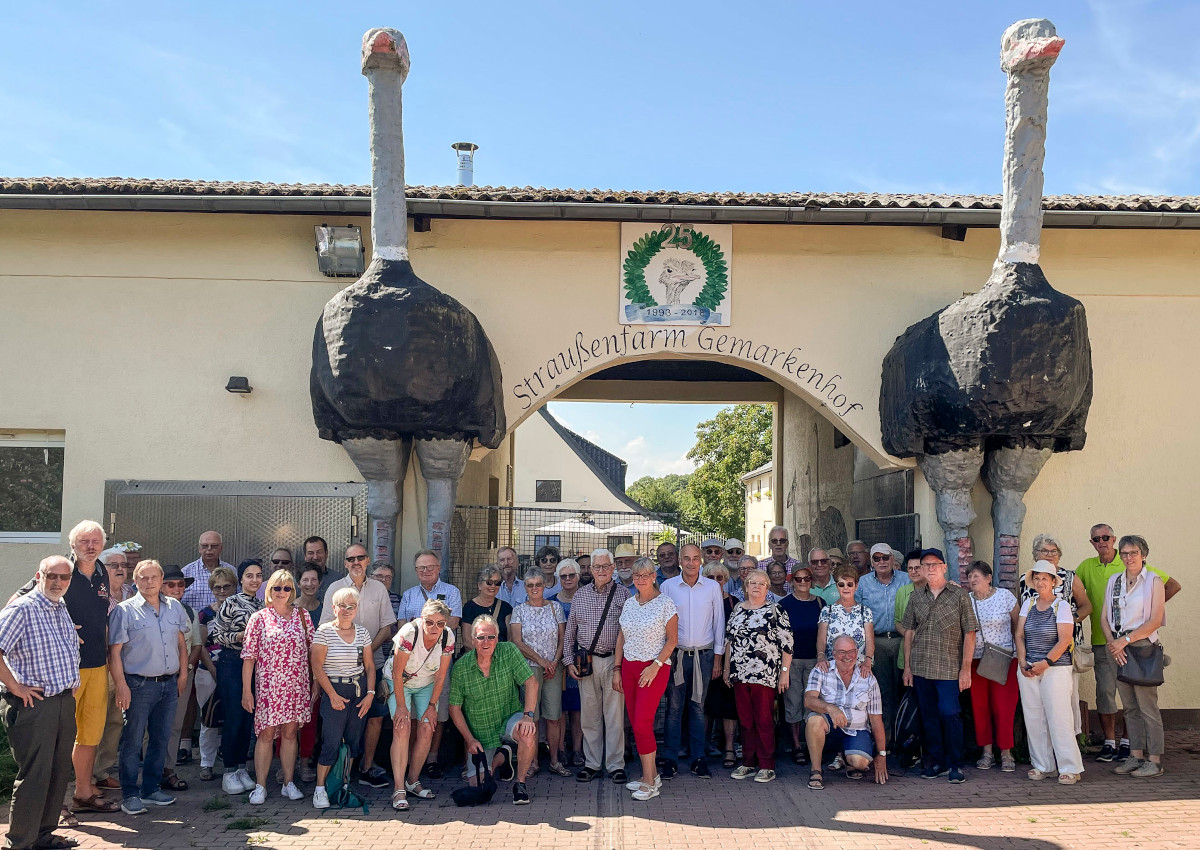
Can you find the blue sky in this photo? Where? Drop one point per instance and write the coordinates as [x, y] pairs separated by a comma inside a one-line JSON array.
[[752, 96]]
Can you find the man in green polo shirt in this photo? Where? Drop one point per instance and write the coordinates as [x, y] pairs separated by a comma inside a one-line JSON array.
[[1095, 573], [484, 706]]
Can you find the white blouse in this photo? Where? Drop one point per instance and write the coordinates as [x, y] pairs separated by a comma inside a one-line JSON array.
[[1136, 602], [645, 627], [995, 622]]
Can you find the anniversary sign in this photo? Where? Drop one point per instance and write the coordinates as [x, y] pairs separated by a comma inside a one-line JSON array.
[[675, 274]]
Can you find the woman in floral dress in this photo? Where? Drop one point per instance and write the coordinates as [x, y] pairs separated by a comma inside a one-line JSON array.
[[846, 617], [758, 651], [277, 643]]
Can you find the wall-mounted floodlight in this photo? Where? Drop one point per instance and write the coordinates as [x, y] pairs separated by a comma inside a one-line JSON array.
[[238, 384], [339, 251]]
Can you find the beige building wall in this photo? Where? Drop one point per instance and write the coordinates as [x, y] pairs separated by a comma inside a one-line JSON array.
[[542, 454], [105, 307], [760, 512]]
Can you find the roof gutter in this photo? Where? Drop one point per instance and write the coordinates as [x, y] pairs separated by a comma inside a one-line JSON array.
[[566, 211]]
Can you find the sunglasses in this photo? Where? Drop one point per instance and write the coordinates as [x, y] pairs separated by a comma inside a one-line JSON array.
[[736, 551], [174, 583], [57, 576], [549, 559], [778, 541], [802, 579], [819, 561], [1102, 538], [569, 575], [487, 638], [492, 583], [845, 584], [280, 588], [353, 559], [280, 562], [881, 558], [345, 606]]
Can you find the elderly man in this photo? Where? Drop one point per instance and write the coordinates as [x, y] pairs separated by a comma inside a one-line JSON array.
[[939, 642], [39, 672], [114, 560], [375, 614], [512, 589], [667, 556], [777, 545], [485, 687], [1094, 573], [211, 545], [133, 554], [734, 550], [623, 560], [383, 573], [856, 551], [845, 710], [823, 584], [714, 550], [877, 590], [592, 629], [148, 654], [700, 606], [428, 565]]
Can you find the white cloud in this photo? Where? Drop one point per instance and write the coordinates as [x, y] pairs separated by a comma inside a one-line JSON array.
[[644, 460]]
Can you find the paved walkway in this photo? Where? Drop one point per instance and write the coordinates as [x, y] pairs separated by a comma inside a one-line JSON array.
[[991, 810]]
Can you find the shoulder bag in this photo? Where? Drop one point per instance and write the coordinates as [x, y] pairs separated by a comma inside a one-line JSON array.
[[583, 660], [996, 660], [1144, 660]]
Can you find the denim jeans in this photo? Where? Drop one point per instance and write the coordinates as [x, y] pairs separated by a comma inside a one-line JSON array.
[[235, 736], [941, 721], [150, 714], [679, 697]]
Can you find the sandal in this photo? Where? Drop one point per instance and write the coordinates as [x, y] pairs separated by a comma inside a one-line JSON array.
[[816, 782], [577, 760], [66, 819], [559, 769], [854, 774], [55, 842], [799, 757], [172, 782], [417, 790], [730, 760], [400, 801], [95, 803], [109, 783]]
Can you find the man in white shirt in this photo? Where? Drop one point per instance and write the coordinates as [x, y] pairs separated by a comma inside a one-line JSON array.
[[701, 609], [428, 565], [512, 589], [374, 614]]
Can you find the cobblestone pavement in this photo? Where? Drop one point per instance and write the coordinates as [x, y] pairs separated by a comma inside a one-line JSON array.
[[992, 809]]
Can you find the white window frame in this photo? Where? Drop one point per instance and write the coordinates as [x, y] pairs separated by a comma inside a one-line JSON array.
[[22, 439]]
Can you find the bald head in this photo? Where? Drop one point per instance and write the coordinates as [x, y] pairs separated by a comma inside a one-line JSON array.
[[211, 547], [54, 576]]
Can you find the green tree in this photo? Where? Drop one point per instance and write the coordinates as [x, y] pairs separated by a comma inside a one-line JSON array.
[[662, 495], [728, 446]]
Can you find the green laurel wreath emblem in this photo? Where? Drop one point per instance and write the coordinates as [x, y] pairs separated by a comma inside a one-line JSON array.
[[706, 250]]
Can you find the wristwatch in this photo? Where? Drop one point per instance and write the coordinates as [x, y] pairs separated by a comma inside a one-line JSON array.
[[882, 753], [372, 693], [529, 714], [784, 669]]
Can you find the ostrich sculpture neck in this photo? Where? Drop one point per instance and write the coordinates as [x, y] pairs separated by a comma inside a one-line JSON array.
[[1028, 49], [385, 64]]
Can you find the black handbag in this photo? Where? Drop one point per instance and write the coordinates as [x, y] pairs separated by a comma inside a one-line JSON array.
[[1143, 665], [476, 795], [583, 660]]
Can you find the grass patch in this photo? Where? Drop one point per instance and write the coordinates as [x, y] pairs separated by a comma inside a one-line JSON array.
[[8, 766], [216, 803], [247, 823]]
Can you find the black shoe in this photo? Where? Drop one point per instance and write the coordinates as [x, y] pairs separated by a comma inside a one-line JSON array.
[[700, 769], [520, 794], [618, 777], [543, 750], [183, 757], [934, 772], [375, 777], [505, 772], [587, 775], [1107, 753], [668, 769], [433, 770], [1122, 752]]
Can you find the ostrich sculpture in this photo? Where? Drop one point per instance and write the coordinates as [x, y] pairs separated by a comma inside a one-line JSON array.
[[1002, 378], [396, 363]]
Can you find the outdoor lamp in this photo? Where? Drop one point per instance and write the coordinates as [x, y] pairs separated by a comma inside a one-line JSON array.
[[339, 251], [238, 384]]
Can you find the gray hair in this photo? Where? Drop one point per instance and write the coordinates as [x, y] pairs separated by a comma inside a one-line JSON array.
[[486, 572], [1041, 540], [644, 565], [715, 567], [420, 553], [812, 552], [484, 620], [749, 558], [603, 553], [1135, 540], [342, 594], [376, 566], [568, 563], [437, 606], [108, 553], [841, 638], [535, 575], [756, 574], [86, 527], [782, 528]]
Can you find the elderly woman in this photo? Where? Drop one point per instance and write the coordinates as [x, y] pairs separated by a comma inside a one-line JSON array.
[[569, 573], [228, 631], [993, 705], [423, 650], [645, 644], [221, 581], [486, 602], [803, 608], [746, 565], [1044, 640], [1133, 613], [546, 560], [275, 653], [846, 617], [342, 665], [758, 652], [719, 704], [777, 572], [537, 630]]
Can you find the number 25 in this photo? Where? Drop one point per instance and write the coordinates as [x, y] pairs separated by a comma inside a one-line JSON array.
[[681, 235]]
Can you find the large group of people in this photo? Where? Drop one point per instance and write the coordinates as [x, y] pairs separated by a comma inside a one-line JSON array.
[[108, 660]]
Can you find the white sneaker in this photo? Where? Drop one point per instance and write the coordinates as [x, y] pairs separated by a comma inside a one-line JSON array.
[[647, 792], [291, 792], [637, 783], [320, 798], [248, 784], [231, 783], [258, 796]]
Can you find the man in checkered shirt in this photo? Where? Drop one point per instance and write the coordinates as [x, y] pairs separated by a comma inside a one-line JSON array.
[[39, 673]]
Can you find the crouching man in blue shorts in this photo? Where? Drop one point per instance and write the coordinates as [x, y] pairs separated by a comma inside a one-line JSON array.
[[842, 702]]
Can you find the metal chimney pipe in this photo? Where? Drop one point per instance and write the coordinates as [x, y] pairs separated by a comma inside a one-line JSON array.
[[466, 162]]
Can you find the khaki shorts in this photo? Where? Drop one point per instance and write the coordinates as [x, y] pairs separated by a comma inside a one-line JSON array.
[[91, 706], [793, 697], [1106, 680], [549, 704]]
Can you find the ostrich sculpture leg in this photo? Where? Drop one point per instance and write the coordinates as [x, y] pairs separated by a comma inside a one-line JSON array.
[[1008, 474], [383, 464], [952, 475], [442, 465]]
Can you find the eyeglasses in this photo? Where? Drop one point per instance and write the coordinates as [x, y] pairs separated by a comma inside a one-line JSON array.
[[713, 550], [56, 576], [600, 568], [549, 559], [1045, 551], [487, 637], [217, 587], [845, 652], [1102, 538], [736, 551], [568, 575], [778, 541], [846, 584], [281, 562], [429, 568], [345, 606], [880, 558], [353, 559], [1130, 553], [819, 561], [802, 579], [280, 588], [492, 583]]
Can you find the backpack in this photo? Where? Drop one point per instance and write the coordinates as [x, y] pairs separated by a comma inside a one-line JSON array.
[[907, 736], [341, 795]]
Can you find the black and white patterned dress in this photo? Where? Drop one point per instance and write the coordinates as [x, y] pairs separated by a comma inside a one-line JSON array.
[[756, 639]]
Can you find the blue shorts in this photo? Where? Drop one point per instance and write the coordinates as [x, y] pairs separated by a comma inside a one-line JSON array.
[[853, 743]]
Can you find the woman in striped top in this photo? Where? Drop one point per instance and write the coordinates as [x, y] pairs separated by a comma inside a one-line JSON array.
[[1045, 631], [229, 629], [341, 655]]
